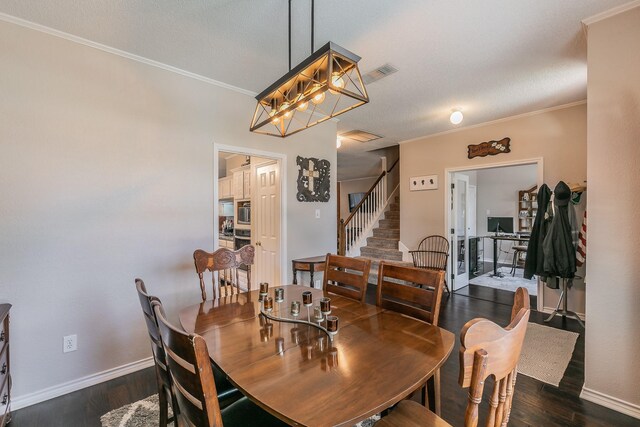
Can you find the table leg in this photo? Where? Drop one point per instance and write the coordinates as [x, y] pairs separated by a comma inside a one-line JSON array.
[[295, 274], [433, 392], [312, 267], [495, 259]]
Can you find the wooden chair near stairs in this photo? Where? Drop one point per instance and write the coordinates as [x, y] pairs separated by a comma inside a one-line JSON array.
[[432, 253], [486, 350]]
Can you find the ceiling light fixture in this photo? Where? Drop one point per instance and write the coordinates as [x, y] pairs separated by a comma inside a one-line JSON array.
[[456, 117], [326, 84]]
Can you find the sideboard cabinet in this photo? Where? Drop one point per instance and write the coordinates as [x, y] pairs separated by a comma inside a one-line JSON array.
[[5, 377]]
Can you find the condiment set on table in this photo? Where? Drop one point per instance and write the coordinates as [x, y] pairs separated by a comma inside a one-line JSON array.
[[321, 313]]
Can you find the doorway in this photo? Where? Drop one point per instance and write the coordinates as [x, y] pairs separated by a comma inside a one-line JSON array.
[[249, 208], [479, 196]]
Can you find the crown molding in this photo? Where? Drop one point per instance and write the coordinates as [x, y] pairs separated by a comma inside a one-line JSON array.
[[504, 119], [70, 37], [611, 12]]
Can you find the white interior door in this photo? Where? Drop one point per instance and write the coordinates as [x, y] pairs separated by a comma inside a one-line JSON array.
[[460, 226], [266, 211]]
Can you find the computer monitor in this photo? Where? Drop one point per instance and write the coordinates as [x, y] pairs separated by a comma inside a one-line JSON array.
[[500, 224]]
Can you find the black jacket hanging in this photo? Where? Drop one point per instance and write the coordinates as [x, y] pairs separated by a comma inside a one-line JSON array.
[[534, 264], [559, 252]]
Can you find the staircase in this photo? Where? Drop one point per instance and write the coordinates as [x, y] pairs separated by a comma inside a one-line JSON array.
[[384, 243]]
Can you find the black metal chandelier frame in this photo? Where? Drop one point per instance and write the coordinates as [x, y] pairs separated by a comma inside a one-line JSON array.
[[296, 101]]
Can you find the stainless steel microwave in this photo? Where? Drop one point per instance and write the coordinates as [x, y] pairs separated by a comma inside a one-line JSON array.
[[243, 214]]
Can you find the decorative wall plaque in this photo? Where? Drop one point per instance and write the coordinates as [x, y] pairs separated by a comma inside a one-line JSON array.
[[490, 148], [313, 179]]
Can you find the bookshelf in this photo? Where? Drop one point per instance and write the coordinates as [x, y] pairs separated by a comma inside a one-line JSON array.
[[527, 208]]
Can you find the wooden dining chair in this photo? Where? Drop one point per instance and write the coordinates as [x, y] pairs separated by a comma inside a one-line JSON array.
[[346, 276], [415, 292], [486, 349], [227, 392], [227, 268], [163, 377], [432, 252], [194, 385]]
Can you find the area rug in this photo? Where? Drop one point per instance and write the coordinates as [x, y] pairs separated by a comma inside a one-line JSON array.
[[507, 282], [146, 413], [546, 353]]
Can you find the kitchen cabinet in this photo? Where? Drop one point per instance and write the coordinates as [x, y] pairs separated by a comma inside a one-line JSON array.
[[225, 188], [242, 183], [222, 243]]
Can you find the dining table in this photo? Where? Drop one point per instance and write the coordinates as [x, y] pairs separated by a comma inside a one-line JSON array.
[[303, 375]]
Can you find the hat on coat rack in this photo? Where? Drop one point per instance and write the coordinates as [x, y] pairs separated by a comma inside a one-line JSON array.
[[577, 188], [576, 192], [562, 194]]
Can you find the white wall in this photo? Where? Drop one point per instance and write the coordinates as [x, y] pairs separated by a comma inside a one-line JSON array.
[[106, 174], [498, 193], [612, 346]]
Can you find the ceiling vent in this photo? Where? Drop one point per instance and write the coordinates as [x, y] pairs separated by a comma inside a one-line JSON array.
[[378, 73], [359, 135]]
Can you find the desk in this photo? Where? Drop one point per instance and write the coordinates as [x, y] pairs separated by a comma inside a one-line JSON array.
[[495, 248], [312, 264], [293, 371]]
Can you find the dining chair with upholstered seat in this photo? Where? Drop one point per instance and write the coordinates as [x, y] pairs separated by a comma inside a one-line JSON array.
[[415, 292], [194, 385], [346, 276], [486, 350], [433, 253], [163, 377], [228, 269]]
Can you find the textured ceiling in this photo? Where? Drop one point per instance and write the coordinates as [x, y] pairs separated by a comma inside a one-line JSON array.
[[491, 58]]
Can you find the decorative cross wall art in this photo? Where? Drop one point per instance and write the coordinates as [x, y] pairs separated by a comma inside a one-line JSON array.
[[313, 179]]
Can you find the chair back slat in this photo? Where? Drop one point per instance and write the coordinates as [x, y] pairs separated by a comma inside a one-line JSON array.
[[224, 265], [489, 350], [346, 276], [433, 252], [400, 289], [191, 372], [159, 356]]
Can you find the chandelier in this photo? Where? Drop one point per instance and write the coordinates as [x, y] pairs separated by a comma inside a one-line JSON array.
[[324, 85]]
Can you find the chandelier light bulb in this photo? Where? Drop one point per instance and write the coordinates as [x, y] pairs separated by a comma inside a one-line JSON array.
[[284, 107], [336, 81], [303, 106], [456, 117], [318, 99]]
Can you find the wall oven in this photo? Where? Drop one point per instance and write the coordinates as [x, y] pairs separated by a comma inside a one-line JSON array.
[[242, 238], [243, 214]]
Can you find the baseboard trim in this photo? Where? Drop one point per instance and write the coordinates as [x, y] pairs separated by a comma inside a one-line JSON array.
[[611, 402], [29, 399], [406, 256], [550, 310]]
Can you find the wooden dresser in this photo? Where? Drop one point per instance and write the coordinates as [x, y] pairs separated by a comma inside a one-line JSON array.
[[5, 377]]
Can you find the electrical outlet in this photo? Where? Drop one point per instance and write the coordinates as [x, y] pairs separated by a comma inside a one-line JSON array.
[[317, 213], [69, 343]]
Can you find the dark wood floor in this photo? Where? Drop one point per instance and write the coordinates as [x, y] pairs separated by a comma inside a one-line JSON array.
[[535, 403]]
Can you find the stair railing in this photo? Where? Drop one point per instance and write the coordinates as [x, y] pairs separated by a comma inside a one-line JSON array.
[[364, 214]]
